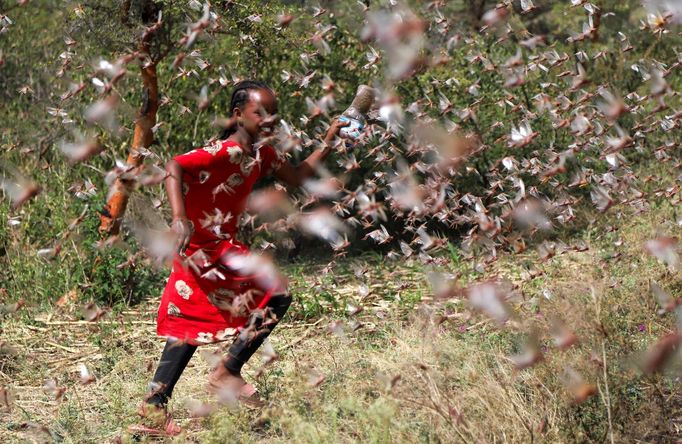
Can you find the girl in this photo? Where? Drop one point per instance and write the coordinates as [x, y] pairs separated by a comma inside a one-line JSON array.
[[216, 288]]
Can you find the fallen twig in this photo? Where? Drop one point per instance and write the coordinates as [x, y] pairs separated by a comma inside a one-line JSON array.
[[68, 349]]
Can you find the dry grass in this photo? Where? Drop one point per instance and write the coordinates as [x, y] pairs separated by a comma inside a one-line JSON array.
[[404, 376]]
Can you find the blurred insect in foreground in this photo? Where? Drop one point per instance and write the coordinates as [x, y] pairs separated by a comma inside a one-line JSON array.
[[18, 188]]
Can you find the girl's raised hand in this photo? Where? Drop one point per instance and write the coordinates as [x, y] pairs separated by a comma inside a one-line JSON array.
[[334, 129]]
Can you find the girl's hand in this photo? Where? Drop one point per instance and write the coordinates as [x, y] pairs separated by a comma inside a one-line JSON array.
[[334, 129], [183, 229]]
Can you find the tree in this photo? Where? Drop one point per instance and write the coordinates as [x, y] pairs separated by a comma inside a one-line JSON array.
[[143, 136]]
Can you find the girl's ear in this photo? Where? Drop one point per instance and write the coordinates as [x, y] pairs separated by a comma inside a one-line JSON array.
[[237, 115]]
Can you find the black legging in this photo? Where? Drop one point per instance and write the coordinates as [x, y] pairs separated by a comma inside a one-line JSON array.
[[176, 354]]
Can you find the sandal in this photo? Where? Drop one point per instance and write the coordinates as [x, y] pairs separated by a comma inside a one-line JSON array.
[[248, 395], [166, 426]]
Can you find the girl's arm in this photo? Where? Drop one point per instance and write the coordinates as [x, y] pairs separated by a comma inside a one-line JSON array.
[[181, 226], [296, 175]]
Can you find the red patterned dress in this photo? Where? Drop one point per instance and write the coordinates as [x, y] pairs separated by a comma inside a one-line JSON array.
[[210, 293]]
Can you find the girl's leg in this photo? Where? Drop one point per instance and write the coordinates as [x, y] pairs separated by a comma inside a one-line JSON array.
[[174, 359], [261, 325]]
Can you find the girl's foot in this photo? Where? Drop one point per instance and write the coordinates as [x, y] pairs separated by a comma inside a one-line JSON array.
[[162, 424], [248, 395], [222, 379]]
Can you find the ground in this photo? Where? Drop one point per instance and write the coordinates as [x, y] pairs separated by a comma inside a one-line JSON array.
[[406, 368]]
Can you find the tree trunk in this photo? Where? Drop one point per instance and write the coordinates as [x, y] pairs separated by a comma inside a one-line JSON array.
[[112, 214]]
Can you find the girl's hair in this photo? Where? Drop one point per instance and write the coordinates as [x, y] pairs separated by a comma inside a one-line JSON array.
[[240, 97]]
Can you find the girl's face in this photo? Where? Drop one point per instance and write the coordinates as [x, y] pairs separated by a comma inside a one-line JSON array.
[[256, 117]]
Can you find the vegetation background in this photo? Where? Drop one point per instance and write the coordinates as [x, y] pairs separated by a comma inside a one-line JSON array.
[[419, 369]]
